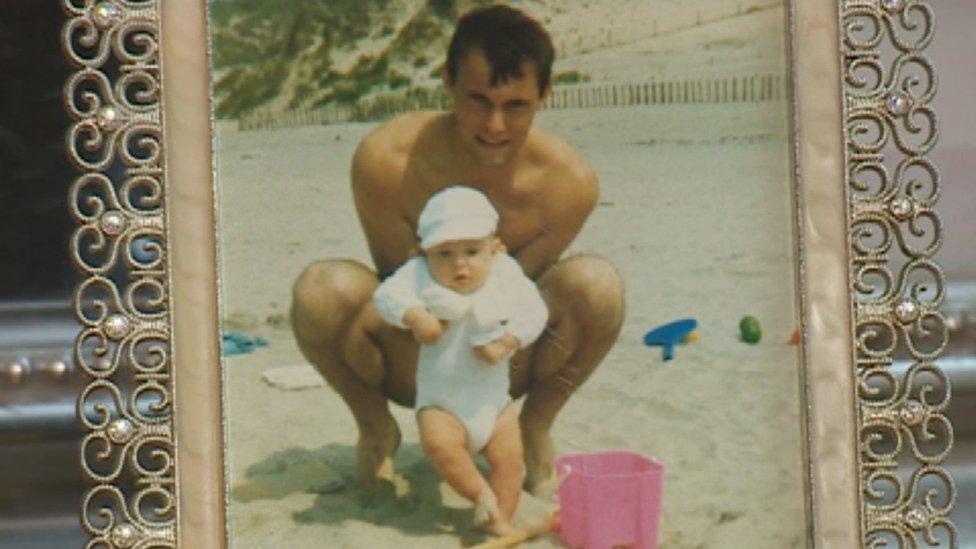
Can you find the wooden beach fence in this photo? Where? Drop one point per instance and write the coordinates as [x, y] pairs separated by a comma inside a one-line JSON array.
[[748, 88]]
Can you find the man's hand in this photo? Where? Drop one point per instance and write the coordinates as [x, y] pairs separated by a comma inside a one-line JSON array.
[[426, 327], [498, 350]]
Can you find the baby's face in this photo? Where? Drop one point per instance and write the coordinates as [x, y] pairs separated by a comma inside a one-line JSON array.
[[462, 265]]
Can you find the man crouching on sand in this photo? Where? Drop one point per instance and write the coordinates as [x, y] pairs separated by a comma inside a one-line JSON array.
[[498, 72]]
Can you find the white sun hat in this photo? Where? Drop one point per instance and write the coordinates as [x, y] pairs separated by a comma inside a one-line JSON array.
[[456, 213]]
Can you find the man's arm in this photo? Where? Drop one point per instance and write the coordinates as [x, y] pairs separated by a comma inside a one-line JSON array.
[[375, 188], [565, 210]]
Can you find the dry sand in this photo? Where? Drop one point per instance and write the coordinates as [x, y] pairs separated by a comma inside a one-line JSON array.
[[698, 220], [695, 212]]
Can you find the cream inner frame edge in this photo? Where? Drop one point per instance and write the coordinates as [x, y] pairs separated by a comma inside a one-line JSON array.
[[829, 372], [191, 209], [835, 516]]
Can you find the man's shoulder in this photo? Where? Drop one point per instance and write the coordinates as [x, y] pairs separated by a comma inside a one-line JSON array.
[[560, 159], [564, 172], [397, 135], [382, 155]]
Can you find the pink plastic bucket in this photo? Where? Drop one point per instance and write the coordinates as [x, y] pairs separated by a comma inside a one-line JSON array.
[[609, 500]]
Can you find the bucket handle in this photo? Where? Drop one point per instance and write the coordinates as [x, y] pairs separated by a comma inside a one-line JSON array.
[[563, 472]]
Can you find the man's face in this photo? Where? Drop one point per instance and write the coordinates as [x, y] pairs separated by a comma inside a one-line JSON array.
[[494, 121], [462, 265]]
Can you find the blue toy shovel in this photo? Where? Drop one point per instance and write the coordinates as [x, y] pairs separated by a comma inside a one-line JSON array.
[[668, 335]]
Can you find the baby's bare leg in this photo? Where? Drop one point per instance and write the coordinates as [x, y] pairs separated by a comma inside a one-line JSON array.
[[444, 440], [504, 455]]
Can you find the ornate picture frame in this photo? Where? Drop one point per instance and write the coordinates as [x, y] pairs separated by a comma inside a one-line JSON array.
[[141, 139]]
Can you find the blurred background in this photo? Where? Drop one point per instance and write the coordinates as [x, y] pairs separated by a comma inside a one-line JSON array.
[[40, 480]]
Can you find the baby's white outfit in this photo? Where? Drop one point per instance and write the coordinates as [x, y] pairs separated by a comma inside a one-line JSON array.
[[450, 375]]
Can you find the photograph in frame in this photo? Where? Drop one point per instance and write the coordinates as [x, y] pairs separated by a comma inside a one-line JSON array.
[[188, 476], [683, 115]]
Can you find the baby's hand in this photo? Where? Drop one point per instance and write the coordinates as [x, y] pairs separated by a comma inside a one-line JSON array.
[[426, 327], [498, 350]]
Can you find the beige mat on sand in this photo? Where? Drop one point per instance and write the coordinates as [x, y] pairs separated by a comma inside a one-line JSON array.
[[293, 378]]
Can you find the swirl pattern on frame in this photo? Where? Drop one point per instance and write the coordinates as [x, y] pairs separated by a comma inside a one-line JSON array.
[[897, 288], [115, 141]]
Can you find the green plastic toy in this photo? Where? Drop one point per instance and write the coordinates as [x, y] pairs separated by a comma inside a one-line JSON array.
[[749, 329]]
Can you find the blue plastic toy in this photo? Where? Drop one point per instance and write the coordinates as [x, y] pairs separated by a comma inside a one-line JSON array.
[[670, 334], [237, 343]]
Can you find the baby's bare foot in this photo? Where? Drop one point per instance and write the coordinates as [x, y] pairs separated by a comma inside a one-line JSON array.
[[500, 528]]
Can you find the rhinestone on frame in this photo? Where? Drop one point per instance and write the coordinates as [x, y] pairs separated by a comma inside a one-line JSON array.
[[124, 535], [106, 14], [901, 207], [898, 103], [107, 118], [58, 369], [911, 413], [103, 364], [906, 311], [915, 517], [893, 6], [120, 431], [116, 326], [13, 371], [952, 323], [113, 223]]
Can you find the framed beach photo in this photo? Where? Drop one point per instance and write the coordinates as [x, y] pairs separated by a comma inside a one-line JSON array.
[[451, 273]]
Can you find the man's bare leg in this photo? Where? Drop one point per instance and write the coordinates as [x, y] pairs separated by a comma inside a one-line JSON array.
[[340, 333], [336, 328], [585, 296]]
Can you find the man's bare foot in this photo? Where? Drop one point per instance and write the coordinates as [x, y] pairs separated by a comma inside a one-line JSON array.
[[539, 452], [374, 456]]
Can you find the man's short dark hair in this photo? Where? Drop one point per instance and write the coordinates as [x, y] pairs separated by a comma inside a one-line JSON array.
[[508, 38]]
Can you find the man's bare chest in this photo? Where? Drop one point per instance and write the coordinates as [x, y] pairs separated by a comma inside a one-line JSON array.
[[521, 218]]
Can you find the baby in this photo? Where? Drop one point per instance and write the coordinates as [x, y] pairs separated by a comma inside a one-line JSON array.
[[470, 306]]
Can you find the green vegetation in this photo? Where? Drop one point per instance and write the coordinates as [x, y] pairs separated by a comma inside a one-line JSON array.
[[257, 44], [296, 54], [445, 9], [570, 77], [397, 80], [260, 86]]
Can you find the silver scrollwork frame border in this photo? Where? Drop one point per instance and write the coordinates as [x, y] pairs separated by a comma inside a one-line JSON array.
[[115, 140], [896, 288], [121, 244]]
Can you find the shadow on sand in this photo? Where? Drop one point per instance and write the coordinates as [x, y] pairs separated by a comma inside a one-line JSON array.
[[414, 503]]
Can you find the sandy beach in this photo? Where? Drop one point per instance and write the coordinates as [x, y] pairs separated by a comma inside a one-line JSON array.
[[699, 223], [696, 213]]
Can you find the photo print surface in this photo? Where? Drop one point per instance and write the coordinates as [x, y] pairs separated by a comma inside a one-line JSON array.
[[666, 125]]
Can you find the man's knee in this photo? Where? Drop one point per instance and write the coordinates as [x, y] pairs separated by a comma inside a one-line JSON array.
[[328, 294], [594, 289]]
